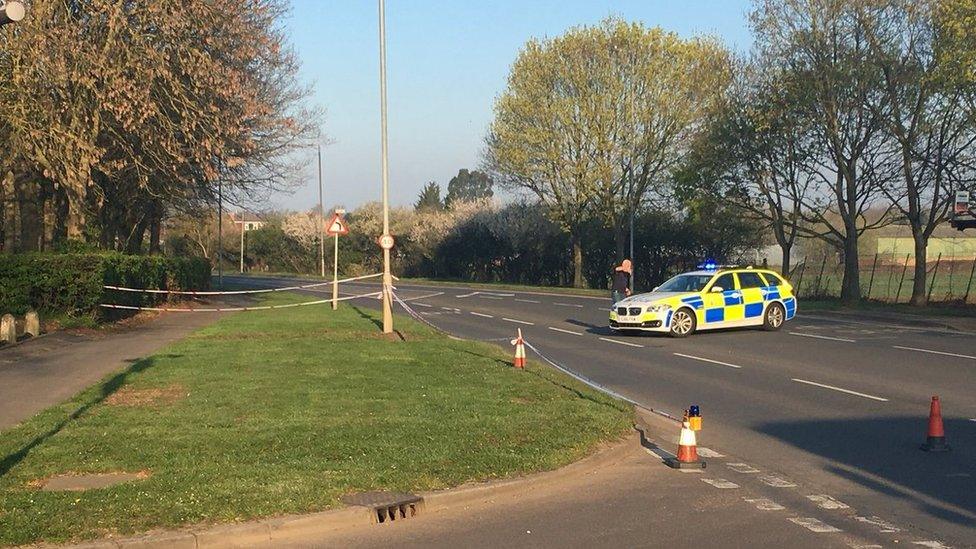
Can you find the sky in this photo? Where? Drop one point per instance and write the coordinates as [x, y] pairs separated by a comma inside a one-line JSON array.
[[447, 60]]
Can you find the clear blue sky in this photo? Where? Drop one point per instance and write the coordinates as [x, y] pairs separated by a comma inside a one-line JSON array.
[[447, 60]]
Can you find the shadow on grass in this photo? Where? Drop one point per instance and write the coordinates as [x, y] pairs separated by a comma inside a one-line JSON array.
[[377, 322], [105, 390]]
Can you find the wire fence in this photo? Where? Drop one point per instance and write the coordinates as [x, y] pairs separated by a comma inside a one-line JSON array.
[[888, 277]]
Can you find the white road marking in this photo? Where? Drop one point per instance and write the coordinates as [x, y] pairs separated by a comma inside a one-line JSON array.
[[627, 343], [720, 483], [884, 526], [424, 296], [476, 313], [933, 352], [707, 360], [422, 305], [742, 468], [518, 321], [776, 482], [765, 504], [972, 419], [824, 501], [932, 544], [823, 337], [568, 305], [527, 300], [462, 296], [814, 525], [707, 452], [489, 297], [848, 391], [565, 331]]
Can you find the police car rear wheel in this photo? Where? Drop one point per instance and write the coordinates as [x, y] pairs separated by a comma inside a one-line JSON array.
[[775, 316], [682, 323]]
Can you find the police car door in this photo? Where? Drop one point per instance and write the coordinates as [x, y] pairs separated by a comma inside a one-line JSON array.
[[716, 302]]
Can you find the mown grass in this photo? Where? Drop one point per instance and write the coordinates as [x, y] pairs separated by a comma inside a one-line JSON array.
[[284, 411]]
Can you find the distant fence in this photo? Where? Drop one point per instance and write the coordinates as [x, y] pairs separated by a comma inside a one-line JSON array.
[[888, 277]]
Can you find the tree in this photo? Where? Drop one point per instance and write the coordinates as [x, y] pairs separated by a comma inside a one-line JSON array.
[[468, 186], [932, 136], [592, 119], [825, 61], [430, 198]]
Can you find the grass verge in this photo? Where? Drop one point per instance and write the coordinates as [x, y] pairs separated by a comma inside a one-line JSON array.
[[284, 411]]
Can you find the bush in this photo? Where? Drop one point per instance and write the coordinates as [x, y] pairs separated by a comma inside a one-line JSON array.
[[72, 282]]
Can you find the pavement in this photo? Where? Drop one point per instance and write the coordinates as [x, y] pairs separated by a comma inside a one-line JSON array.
[[45, 371], [827, 412]]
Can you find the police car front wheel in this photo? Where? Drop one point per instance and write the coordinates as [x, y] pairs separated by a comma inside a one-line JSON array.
[[682, 323], [775, 316]]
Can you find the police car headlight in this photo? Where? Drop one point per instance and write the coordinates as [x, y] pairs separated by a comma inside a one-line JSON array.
[[658, 308]]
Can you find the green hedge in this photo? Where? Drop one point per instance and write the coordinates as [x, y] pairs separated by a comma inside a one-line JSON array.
[[72, 283]]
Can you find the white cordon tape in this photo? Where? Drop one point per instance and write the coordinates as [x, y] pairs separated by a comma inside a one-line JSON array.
[[238, 292], [234, 309], [579, 377]]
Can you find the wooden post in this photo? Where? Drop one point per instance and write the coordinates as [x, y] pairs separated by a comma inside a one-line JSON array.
[[969, 285], [335, 274], [891, 274], [874, 268], [900, 282], [803, 267], [935, 273], [820, 276]]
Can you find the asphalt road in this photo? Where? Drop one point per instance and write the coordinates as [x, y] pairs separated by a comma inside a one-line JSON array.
[[829, 411]]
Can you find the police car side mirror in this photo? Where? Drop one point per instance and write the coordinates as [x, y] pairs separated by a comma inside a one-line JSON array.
[[655, 288], [717, 289]]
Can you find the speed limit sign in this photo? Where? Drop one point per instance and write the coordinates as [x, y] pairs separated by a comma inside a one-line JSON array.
[[386, 241]]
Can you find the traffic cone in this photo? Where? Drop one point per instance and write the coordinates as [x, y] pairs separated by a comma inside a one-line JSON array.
[[687, 457], [936, 441], [519, 361]]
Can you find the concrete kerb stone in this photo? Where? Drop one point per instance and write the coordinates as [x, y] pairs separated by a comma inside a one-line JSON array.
[[268, 531]]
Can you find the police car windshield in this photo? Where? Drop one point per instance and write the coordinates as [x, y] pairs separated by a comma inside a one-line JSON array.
[[685, 283]]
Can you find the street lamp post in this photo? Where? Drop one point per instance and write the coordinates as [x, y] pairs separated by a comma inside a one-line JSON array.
[[387, 276]]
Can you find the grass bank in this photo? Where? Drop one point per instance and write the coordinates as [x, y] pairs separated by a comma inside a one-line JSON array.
[[284, 411]]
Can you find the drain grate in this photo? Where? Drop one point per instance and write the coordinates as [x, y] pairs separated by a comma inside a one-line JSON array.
[[387, 506]]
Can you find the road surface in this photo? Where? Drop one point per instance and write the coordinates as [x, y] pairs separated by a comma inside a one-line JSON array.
[[825, 416]]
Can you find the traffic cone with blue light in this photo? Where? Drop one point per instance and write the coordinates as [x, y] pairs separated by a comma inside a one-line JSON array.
[[519, 361], [687, 457]]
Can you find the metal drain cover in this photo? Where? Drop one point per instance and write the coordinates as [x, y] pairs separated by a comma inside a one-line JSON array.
[[380, 499]]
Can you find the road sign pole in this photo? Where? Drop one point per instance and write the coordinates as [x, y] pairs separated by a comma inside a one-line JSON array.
[[335, 274]]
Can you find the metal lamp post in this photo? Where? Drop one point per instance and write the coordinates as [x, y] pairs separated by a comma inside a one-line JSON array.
[[387, 276]]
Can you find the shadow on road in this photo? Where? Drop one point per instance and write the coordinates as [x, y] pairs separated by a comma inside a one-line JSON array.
[[104, 391], [883, 455]]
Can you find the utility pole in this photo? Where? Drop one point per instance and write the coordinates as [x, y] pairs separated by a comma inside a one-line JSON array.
[[321, 218], [632, 259], [387, 276]]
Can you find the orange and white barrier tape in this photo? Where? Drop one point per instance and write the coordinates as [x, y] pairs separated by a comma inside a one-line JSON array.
[[233, 309], [239, 292]]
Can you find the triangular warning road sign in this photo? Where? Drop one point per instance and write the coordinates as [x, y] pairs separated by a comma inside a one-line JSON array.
[[337, 226]]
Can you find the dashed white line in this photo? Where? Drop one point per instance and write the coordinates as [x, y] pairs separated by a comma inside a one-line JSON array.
[[707, 360], [489, 297], [742, 468], [565, 331], [931, 544], [518, 321], [527, 300], [933, 352], [824, 501], [568, 305], [839, 389], [720, 483], [823, 337], [476, 313], [617, 341], [776, 482], [765, 504], [814, 525]]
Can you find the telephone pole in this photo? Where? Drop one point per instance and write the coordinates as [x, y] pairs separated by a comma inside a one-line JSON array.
[[321, 217]]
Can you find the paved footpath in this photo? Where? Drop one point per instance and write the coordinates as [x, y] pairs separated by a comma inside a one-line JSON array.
[[48, 370]]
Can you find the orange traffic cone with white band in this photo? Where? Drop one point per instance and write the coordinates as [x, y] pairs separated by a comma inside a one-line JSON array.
[[687, 457], [936, 441], [519, 361]]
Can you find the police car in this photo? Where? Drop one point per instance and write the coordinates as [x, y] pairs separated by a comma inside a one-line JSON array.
[[714, 297]]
